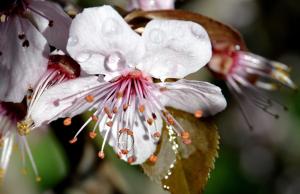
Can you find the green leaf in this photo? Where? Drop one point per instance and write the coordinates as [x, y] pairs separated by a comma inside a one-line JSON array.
[[190, 167]]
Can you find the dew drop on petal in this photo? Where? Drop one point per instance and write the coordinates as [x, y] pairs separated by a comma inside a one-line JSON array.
[[157, 36], [83, 57], [73, 40], [197, 31], [114, 62], [110, 27]]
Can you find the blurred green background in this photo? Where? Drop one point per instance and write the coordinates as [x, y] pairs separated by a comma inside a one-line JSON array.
[[263, 161]]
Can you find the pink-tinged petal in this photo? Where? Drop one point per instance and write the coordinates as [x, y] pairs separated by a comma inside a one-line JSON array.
[[174, 48], [141, 145], [151, 4], [55, 101], [52, 22], [98, 35], [23, 58], [193, 96]]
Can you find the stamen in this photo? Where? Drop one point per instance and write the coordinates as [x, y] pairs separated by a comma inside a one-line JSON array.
[[25, 43], [119, 94], [157, 134], [198, 114], [89, 98], [150, 121], [142, 108], [38, 179], [115, 110], [109, 123], [125, 152], [93, 134], [74, 140], [125, 107], [94, 118], [68, 121], [185, 135], [131, 159], [101, 155], [153, 159], [51, 23]]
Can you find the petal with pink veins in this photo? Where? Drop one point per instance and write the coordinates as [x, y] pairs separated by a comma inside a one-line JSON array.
[[192, 96], [52, 22], [23, 58], [55, 102], [174, 48], [100, 40]]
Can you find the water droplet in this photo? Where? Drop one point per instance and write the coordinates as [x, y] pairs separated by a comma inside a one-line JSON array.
[[157, 36], [114, 62], [83, 57], [198, 32], [110, 27], [73, 40]]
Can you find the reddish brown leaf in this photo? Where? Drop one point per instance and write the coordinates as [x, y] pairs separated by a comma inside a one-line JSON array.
[[217, 31], [193, 162]]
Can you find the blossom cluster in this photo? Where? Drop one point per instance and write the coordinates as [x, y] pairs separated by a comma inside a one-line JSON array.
[[52, 66]]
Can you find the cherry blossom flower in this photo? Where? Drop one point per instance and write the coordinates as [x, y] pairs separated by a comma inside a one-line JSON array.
[[60, 69], [127, 99], [248, 75], [148, 5], [26, 28], [10, 114]]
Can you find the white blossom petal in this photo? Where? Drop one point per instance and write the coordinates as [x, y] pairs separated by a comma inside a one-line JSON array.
[[151, 4], [23, 58], [192, 96], [55, 101], [96, 34], [174, 48], [144, 142], [52, 22]]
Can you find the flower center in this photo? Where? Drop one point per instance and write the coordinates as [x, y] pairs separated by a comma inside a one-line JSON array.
[[124, 105], [60, 69]]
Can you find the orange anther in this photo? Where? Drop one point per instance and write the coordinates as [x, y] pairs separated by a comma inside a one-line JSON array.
[[170, 120], [94, 118], [131, 159], [162, 89], [125, 106], [154, 116], [198, 114], [150, 121], [115, 110], [93, 134], [153, 159], [125, 152], [101, 154], [185, 135], [106, 110], [156, 134], [119, 94], [68, 121], [109, 123], [74, 140], [129, 132], [38, 179], [141, 108], [123, 130], [165, 113], [187, 141], [89, 98]]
